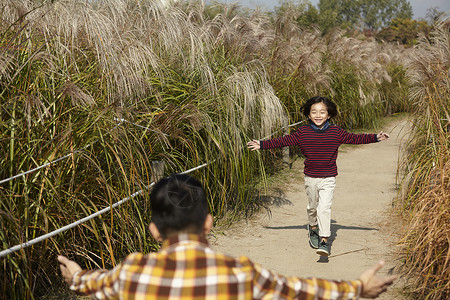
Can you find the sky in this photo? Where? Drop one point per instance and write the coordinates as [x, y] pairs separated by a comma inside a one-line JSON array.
[[419, 6]]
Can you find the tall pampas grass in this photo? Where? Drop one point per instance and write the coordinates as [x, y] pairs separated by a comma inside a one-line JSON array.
[[356, 72], [67, 70], [425, 197]]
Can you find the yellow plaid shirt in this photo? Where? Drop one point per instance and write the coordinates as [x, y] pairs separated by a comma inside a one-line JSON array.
[[187, 268]]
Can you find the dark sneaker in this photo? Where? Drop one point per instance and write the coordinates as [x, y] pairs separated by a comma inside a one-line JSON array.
[[313, 235], [323, 249]]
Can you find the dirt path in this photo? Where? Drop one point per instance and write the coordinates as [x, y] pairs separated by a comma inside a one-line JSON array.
[[361, 231]]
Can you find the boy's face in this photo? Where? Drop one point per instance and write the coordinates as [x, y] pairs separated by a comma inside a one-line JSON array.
[[319, 114]]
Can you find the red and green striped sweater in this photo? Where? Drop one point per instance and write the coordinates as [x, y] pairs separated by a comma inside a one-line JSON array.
[[320, 147]]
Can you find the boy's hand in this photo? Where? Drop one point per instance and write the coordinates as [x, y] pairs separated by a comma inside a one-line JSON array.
[[373, 285], [253, 145], [68, 268], [383, 136]]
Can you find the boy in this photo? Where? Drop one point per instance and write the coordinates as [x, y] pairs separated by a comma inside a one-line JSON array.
[[187, 268], [319, 142]]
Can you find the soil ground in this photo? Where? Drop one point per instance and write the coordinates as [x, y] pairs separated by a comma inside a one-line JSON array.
[[363, 227]]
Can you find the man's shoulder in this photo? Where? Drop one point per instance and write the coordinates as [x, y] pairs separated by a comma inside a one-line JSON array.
[[137, 258]]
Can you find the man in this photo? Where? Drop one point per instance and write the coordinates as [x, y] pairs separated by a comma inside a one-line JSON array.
[[187, 268]]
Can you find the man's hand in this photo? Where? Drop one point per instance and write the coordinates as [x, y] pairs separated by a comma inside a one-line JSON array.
[[253, 145], [68, 268], [373, 285], [383, 136]]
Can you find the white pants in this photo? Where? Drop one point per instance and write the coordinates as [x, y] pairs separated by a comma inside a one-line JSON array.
[[320, 195]]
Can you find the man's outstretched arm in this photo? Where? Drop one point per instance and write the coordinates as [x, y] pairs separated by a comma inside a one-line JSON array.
[[68, 268], [373, 285], [89, 282], [369, 285]]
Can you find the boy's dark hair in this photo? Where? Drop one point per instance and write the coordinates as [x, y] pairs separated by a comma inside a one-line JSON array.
[[178, 205], [331, 107]]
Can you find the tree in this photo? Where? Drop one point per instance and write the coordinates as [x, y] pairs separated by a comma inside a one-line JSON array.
[[304, 13], [309, 16], [376, 14], [434, 14], [348, 11], [403, 31], [293, 7], [371, 14]]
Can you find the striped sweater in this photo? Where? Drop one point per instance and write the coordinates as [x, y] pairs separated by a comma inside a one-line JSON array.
[[320, 147]]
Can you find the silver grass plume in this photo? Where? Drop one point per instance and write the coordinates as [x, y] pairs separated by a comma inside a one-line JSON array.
[[429, 64]]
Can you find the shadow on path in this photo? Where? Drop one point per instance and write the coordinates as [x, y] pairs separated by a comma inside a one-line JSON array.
[[277, 200], [335, 227]]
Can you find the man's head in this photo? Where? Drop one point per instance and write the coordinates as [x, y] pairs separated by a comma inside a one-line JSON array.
[[179, 205]]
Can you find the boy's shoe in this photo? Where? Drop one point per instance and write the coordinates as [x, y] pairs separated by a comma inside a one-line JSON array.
[[323, 249], [313, 235]]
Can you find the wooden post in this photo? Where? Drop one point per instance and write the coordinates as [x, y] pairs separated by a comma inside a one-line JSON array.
[[158, 167]]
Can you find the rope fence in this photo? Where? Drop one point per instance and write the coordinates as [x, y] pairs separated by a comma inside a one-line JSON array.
[[76, 223], [104, 210], [52, 162], [41, 166], [282, 129], [140, 126], [62, 229]]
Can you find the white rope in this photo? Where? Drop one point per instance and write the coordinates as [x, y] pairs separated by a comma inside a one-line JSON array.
[[282, 129], [49, 163], [76, 223], [296, 123], [143, 127], [37, 168], [196, 168]]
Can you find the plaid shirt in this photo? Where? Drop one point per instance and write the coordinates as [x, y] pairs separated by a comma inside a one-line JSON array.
[[187, 268]]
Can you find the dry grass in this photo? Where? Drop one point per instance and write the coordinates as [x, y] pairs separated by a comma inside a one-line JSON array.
[[425, 197]]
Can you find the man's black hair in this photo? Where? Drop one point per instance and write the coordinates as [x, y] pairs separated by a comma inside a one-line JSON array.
[[331, 107], [178, 204]]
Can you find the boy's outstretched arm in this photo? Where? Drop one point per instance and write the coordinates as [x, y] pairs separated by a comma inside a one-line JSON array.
[[253, 145], [373, 285], [383, 136], [68, 268]]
